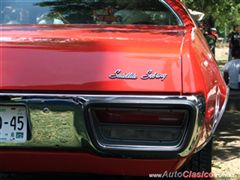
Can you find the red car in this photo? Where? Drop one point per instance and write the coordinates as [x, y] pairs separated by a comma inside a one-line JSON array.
[[111, 87]]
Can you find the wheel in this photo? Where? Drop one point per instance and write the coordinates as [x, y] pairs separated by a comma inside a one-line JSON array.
[[201, 161]]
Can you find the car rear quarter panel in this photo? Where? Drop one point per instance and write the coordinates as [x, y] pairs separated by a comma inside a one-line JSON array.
[[202, 76]]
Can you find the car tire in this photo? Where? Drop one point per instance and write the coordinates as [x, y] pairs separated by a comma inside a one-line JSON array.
[[202, 160]]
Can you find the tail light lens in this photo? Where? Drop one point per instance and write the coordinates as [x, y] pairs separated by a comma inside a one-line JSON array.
[[140, 116]]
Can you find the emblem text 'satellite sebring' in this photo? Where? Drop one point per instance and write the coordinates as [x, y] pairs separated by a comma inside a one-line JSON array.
[[150, 75], [118, 75]]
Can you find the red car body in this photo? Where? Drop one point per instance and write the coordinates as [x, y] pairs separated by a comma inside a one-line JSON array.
[[67, 61]]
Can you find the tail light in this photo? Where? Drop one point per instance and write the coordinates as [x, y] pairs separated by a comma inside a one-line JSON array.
[[139, 126]]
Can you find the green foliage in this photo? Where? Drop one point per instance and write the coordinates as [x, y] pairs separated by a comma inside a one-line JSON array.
[[225, 13]]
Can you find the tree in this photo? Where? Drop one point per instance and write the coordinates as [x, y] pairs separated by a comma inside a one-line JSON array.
[[224, 13]]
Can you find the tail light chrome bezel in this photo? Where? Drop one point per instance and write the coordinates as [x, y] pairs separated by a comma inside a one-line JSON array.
[[193, 105]]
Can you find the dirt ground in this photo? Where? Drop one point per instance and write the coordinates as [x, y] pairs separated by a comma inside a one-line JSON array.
[[226, 149], [226, 153], [222, 54]]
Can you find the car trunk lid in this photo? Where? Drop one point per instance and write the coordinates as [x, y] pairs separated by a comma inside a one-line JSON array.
[[91, 58]]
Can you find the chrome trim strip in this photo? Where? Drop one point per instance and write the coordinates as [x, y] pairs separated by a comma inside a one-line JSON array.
[[89, 96], [195, 134], [219, 116], [180, 21]]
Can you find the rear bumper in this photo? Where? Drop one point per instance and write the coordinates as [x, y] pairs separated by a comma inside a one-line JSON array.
[[79, 149], [78, 162]]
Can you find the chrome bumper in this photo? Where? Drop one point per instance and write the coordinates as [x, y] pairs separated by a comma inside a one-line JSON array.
[[60, 121]]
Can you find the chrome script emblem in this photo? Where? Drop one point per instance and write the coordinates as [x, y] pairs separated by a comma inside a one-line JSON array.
[[118, 75], [149, 75], [154, 75]]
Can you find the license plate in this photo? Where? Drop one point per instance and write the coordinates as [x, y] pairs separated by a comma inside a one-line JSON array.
[[13, 124]]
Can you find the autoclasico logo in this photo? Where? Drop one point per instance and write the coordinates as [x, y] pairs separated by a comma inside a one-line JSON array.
[[184, 174]]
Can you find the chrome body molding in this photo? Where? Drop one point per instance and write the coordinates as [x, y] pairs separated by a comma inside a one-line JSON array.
[[83, 137], [169, 7]]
